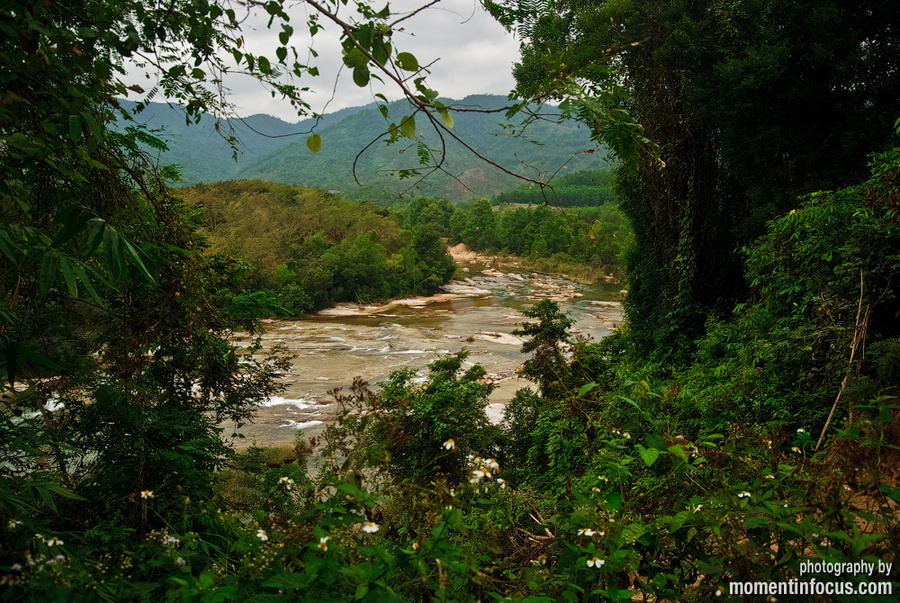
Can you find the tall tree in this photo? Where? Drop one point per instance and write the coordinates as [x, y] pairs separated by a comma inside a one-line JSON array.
[[104, 301], [724, 112]]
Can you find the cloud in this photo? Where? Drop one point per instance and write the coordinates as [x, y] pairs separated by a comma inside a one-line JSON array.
[[468, 51]]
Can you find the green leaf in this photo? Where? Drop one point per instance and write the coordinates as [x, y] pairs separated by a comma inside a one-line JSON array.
[[264, 65], [648, 455], [112, 253], [630, 401], [447, 118], [75, 128], [678, 521], [293, 580], [69, 276], [355, 58], [407, 61], [678, 450], [92, 125], [381, 52], [408, 126], [891, 491], [285, 35], [64, 492], [361, 75], [760, 521], [79, 271], [587, 386], [49, 264], [281, 53], [314, 143], [137, 260]]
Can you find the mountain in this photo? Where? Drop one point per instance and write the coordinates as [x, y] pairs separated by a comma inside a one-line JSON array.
[[273, 149], [204, 155], [546, 146]]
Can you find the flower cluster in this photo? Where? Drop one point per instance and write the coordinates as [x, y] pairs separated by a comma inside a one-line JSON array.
[[482, 469]]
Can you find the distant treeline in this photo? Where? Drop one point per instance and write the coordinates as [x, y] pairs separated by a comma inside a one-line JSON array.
[[580, 189], [593, 237], [282, 249]]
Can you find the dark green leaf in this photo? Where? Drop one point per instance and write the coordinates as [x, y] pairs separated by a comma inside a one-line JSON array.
[[49, 264], [361, 75], [69, 276], [407, 61], [75, 128], [112, 253]]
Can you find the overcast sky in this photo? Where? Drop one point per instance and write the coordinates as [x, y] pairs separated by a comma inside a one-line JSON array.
[[474, 54]]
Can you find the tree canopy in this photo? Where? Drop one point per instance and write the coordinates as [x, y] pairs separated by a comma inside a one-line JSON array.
[[724, 113]]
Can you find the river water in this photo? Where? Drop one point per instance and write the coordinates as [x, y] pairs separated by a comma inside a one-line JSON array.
[[332, 348]]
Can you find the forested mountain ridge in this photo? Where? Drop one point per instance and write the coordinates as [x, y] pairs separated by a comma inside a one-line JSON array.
[[564, 147], [274, 150], [204, 154]]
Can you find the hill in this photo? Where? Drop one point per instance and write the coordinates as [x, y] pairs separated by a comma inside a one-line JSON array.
[[305, 249], [204, 155], [465, 176]]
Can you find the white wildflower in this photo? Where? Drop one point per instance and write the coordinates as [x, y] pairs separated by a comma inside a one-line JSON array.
[[595, 562], [370, 528]]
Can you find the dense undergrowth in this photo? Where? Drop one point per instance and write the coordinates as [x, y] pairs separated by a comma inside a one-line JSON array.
[[615, 480]]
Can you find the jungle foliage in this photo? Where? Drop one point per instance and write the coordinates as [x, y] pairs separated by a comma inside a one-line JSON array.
[[579, 189], [553, 239], [742, 107], [771, 440], [305, 249]]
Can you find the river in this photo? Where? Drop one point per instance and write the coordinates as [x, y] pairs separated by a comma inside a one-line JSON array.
[[338, 344]]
